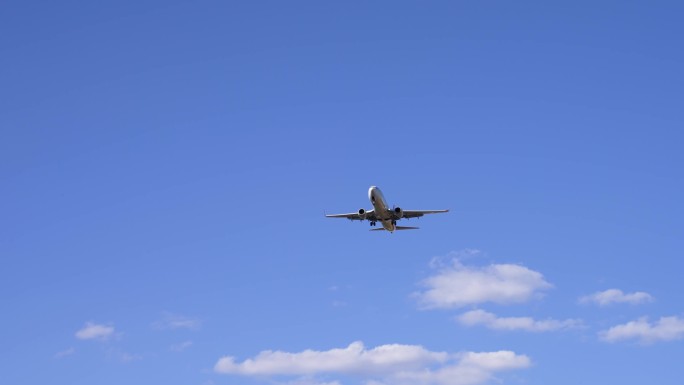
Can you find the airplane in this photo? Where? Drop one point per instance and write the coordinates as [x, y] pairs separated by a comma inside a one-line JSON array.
[[381, 212]]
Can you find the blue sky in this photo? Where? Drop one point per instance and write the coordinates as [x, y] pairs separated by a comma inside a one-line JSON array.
[[165, 166]]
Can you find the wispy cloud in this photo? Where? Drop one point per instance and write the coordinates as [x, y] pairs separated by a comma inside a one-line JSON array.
[[457, 285], [93, 331], [65, 353], [610, 296], [337, 303], [312, 381], [665, 329], [181, 346], [461, 255], [129, 357], [396, 364], [491, 321], [171, 321], [116, 354]]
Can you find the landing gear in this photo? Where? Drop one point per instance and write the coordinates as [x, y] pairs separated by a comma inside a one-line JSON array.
[[372, 223], [394, 223]]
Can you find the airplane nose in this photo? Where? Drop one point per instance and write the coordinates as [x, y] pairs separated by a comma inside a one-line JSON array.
[[370, 193]]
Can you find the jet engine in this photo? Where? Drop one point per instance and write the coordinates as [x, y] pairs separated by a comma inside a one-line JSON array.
[[362, 213], [398, 212]]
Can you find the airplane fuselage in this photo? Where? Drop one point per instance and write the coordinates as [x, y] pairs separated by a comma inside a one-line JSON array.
[[382, 211]]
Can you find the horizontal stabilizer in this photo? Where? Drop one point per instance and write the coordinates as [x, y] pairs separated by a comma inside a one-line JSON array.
[[396, 228]]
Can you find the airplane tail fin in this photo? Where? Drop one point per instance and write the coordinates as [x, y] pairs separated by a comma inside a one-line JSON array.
[[396, 228]]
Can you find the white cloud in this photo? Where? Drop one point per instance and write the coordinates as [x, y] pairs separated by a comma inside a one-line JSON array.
[[665, 329], [65, 353], [471, 368], [491, 321], [93, 331], [603, 298], [181, 346], [458, 285], [385, 364], [354, 358], [172, 321]]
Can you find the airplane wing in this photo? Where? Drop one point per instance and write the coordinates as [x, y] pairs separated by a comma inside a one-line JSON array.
[[420, 213], [369, 215]]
